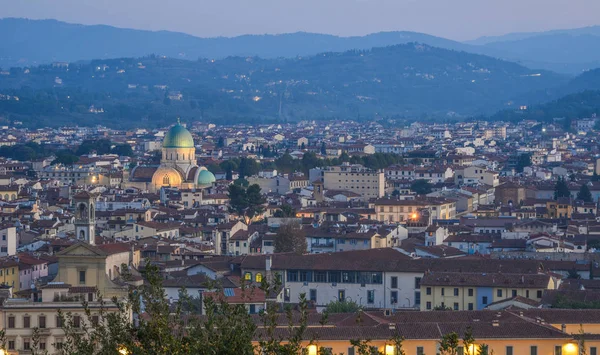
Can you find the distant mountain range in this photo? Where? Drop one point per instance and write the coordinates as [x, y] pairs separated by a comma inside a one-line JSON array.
[[410, 80], [33, 42]]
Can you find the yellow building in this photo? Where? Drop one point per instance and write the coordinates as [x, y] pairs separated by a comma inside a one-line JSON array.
[[475, 291], [9, 273], [505, 332], [81, 274], [395, 210]]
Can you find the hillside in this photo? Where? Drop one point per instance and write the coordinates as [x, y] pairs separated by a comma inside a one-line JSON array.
[[410, 80], [57, 41], [577, 105]]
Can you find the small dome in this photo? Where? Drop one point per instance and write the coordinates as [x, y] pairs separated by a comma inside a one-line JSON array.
[[178, 137], [206, 178]]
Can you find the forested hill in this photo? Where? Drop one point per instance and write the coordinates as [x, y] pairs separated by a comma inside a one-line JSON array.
[[407, 80], [60, 41]]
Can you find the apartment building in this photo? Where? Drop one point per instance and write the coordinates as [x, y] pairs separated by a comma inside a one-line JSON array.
[[399, 211], [476, 290], [367, 183]]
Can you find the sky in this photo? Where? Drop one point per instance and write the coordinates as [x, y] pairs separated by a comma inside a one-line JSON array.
[[454, 19]]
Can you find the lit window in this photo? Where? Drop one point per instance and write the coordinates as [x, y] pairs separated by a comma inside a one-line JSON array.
[[258, 277]]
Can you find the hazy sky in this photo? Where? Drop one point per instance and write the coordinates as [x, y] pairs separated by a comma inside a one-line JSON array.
[[456, 19]]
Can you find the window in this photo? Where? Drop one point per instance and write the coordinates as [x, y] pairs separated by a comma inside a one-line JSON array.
[[527, 293], [417, 298], [77, 321], [320, 276], [417, 283], [82, 277], [420, 350], [248, 276], [558, 350], [539, 294], [42, 322], [351, 351], [305, 276], [313, 295], [58, 322], [292, 275], [470, 292], [11, 345], [514, 293], [533, 350], [95, 320], [26, 321], [42, 345], [341, 295], [443, 291], [509, 350], [371, 296], [334, 276], [26, 344], [456, 306], [499, 293], [455, 291], [58, 345], [470, 306], [593, 350], [428, 290], [394, 297], [428, 305], [258, 277], [484, 300], [286, 295], [11, 321]]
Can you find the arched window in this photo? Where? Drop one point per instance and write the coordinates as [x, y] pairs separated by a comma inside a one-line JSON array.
[[166, 180], [82, 235], [248, 276], [258, 277], [82, 211]]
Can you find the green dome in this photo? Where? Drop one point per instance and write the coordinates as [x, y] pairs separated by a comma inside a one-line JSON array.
[[206, 177], [178, 137]]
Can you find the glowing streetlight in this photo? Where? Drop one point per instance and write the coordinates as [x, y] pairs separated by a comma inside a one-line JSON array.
[[122, 351]]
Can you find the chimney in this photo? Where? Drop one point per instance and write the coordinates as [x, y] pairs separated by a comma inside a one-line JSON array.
[[563, 328]]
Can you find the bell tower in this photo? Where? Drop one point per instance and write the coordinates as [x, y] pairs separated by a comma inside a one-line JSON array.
[[85, 217]]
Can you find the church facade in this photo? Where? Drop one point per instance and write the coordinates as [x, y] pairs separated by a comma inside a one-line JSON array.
[[177, 167]]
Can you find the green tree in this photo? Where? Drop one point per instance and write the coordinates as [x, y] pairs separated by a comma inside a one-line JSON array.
[[247, 202], [290, 238], [449, 344], [561, 189], [286, 211], [323, 148], [65, 157], [248, 167], [523, 161], [585, 194], [421, 187], [122, 150], [468, 341], [344, 306], [100, 146], [255, 200]]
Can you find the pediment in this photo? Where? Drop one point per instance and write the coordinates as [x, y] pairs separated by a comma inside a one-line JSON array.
[[81, 249]]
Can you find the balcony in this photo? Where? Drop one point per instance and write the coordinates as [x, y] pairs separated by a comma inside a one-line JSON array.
[[322, 245]]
